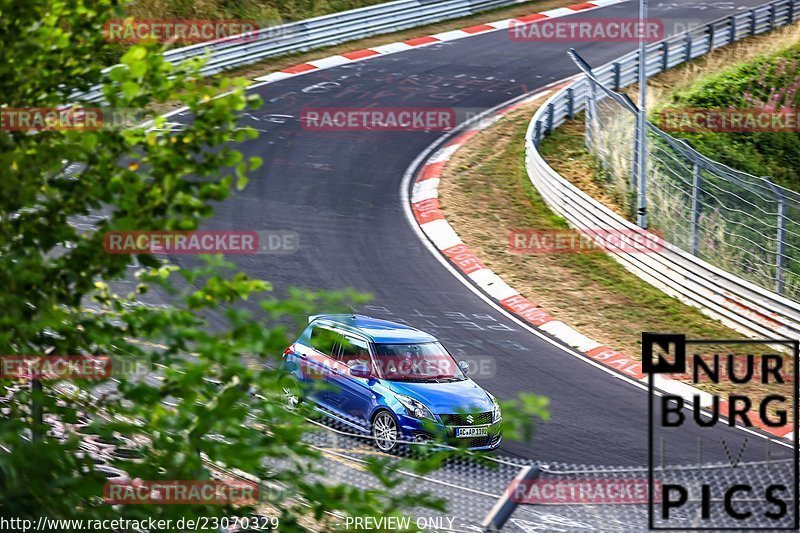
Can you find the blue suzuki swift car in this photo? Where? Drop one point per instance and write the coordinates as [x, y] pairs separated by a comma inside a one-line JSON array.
[[390, 381]]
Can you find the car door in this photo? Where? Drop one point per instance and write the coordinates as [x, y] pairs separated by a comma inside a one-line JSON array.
[[317, 362], [351, 396]]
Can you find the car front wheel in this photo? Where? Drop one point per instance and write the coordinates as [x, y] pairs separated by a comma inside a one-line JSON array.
[[384, 432]]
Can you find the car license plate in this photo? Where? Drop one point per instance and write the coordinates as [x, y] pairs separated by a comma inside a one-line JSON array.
[[462, 433]]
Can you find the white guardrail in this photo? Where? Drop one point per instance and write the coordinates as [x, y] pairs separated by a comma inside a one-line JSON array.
[[324, 31], [739, 304]]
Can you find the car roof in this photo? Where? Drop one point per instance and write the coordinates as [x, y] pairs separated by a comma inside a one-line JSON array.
[[377, 330]]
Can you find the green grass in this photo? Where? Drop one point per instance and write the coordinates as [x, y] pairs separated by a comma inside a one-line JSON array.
[[639, 305]]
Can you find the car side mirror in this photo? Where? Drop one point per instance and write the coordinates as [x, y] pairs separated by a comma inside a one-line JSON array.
[[360, 371], [464, 366]]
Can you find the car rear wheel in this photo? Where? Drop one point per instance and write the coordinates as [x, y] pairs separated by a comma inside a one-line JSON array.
[[384, 432]]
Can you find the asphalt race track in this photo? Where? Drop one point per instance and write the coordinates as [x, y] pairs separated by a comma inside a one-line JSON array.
[[341, 192]]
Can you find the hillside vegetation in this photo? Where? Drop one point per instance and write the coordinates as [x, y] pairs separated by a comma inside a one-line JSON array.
[[771, 81], [265, 12]]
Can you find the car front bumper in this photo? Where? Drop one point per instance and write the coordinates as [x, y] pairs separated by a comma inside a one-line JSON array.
[[414, 429]]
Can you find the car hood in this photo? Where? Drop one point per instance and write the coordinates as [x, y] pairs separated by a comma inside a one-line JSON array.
[[446, 398]]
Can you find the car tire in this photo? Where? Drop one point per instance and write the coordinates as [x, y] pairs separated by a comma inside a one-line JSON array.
[[292, 394], [385, 432]]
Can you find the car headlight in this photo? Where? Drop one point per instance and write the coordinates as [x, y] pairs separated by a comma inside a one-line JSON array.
[[497, 415], [414, 407]]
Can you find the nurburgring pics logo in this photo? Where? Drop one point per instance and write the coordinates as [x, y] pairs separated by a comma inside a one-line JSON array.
[[587, 30], [622, 241], [184, 31], [201, 242], [730, 120], [764, 397], [378, 119]]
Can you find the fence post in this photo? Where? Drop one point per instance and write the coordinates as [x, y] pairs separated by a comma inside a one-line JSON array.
[[538, 133], [771, 17], [733, 30], [753, 22], [665, 56], [591, 115], [508, 502], [696, 184], [635, 167], [551, 111], [790, 13], [617, 76], [781, 245]]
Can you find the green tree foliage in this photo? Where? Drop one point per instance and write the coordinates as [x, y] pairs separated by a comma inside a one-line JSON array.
[[210, 386]]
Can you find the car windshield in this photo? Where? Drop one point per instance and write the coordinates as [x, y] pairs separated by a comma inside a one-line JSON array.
[[427, 361]]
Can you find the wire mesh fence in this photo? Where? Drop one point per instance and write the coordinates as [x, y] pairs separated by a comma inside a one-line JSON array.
[[741, 223], [560, 498]]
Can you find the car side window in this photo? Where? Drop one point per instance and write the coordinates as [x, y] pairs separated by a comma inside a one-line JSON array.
[[324, 340], [353, 351]]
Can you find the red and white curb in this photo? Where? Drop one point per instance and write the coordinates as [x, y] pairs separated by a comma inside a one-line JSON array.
[[417, 42], [424, 200]]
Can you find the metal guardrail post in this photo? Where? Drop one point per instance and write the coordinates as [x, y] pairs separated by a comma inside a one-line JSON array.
[[688, 46], [617, 74], [696, 185], [790, 12], [753, 22], [570, 103], [771, 17], [538, 135], [665, 56], [506, 505], [551, 118], [733, 30]]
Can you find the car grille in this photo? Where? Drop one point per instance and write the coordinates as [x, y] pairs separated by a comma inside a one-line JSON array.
[[475, 442], [478, 419]]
